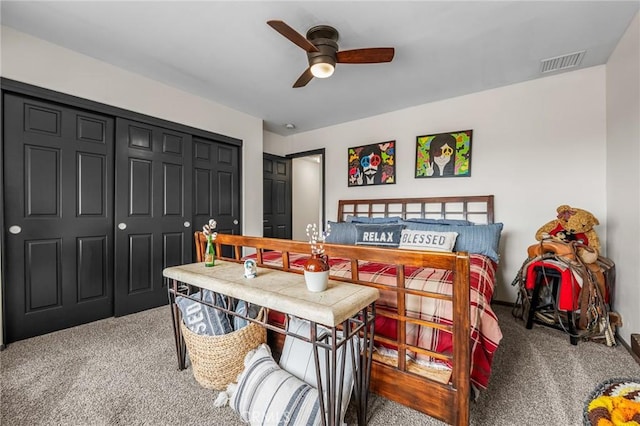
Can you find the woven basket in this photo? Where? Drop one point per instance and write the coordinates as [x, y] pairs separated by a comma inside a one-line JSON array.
[[217, 360]]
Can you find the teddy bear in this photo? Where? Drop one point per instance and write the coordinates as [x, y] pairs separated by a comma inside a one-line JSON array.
[[573, 224]]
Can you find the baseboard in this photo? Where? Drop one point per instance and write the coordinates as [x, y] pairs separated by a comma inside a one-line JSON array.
[[635, 344]]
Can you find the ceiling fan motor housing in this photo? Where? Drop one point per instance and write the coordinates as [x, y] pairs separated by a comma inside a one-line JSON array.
[[327, 52], [325, 38]]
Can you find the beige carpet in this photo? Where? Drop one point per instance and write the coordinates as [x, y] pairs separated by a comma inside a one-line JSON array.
[[122, 371]]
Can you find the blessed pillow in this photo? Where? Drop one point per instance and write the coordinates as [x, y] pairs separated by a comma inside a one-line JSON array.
[[378, 235], [342, 233], [427, 240], [373, 220], [480, 239], [297, 358], [203, 319], [268, 395]]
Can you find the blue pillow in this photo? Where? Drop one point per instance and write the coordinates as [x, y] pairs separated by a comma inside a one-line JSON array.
[[342, 233], [203, 319], [249, 310], [379, 235], [366, 219], [479, 239], [460, 222]]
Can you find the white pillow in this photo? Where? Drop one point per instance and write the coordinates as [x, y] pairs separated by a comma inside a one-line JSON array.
[[269, 395], [427, 240], [297, 358]]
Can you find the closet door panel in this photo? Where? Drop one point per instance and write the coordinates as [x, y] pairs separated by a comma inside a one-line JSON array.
[[217, 186], [153, 211], [58, 164]]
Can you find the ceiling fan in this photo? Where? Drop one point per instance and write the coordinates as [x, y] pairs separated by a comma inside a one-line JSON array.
[[321, 45]]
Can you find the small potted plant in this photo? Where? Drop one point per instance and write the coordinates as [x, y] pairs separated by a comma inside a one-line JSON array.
[[316, 269]]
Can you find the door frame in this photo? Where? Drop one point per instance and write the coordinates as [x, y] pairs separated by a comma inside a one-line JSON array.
[[12, 86], [320, 152]]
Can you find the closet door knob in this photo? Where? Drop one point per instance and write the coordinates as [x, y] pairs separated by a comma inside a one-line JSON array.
[[235, 221], [187, 224], [122, 226], [15, 229]]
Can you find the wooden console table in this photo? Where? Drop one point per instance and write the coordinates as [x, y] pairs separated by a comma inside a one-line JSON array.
[[343, 306]]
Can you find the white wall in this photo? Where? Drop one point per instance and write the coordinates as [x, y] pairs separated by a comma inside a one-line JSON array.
[[276, 144], [306, 192], [34, 61], [623, 175], [536, 145]]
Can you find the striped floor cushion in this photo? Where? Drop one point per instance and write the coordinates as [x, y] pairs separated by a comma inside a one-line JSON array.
[[269, 395]]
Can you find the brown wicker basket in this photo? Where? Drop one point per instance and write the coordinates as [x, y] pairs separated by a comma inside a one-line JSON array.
[[217, 360]]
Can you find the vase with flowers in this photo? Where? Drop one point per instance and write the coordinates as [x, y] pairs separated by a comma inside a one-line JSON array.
[[316, 269], [210, 235]]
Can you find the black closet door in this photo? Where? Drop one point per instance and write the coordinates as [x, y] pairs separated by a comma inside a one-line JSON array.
[[58, 164], [216, 186], [153, 212], [276, 184]]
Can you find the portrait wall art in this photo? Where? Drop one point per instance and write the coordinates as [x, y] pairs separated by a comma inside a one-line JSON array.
[[373, 164], [444, 155]]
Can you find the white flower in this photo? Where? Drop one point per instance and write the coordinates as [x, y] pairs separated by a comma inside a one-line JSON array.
[[208, 228], [317, 238]]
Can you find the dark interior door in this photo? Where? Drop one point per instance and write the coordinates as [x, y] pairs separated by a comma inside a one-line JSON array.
[[59, 214], [277, 197], [216, 186], [153, 212]]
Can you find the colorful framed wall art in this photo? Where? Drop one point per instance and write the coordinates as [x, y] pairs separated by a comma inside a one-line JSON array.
[[373, 164], [444, 155]]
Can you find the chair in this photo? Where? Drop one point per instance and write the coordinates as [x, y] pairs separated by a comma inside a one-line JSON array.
[[201, 245]]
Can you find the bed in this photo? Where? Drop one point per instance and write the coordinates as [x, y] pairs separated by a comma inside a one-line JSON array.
[[435, 330]]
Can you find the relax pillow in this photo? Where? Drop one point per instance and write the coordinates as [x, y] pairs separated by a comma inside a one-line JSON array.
[[203, 319], [374, 220], [297, 358], [480, 239], [427, 240], [342, 233], [378, 235], [269, 395]]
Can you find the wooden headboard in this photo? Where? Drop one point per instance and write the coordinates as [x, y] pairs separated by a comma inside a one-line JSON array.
[[474, 208]]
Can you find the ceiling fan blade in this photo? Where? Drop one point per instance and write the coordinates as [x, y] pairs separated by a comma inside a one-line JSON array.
[[371, 55], [292, 35], [303, 79]]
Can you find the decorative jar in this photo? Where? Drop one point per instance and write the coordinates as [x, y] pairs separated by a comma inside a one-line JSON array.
[[316, 272]]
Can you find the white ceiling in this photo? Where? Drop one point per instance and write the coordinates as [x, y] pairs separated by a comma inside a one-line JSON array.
[[225, 51]]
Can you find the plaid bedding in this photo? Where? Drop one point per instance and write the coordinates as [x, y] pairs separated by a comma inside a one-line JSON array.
[[485, 331]]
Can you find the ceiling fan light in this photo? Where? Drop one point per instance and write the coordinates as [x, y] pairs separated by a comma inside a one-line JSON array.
[[322, 70]]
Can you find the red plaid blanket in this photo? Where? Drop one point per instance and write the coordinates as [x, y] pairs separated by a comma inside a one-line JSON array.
[[485, 331]]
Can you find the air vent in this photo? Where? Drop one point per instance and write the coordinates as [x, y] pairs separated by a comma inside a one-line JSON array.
[[561, 62]]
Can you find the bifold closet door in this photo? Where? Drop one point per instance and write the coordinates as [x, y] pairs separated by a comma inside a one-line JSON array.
[[153, 212], [58, 164]]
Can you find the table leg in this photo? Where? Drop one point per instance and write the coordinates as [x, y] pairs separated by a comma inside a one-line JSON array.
[[175, 320], [363, 372]]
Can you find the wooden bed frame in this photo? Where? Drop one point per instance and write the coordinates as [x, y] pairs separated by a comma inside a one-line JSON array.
[[449, 400]]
